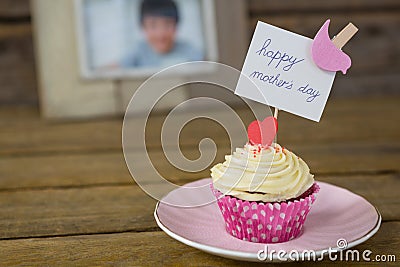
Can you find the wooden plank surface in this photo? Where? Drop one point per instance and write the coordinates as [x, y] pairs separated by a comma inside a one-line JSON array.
[[153, 249], [14, 10], [17, 70], [66, 195], [104, 209], [23, 134], [270, 6], [55, 212], [108, 168]]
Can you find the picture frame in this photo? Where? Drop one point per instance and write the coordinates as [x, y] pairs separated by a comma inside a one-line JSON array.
[[66, 93], [122, 30]]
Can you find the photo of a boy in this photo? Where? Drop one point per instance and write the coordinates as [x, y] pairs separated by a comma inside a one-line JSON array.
[[159, 20]]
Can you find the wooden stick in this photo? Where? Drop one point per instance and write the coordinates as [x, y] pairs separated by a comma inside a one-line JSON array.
[[276, 113], [344, 35]]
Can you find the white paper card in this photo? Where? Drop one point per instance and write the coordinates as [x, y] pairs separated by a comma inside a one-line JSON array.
[[279, 62]]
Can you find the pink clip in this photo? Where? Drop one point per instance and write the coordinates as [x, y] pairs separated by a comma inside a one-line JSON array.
[[326, 54]]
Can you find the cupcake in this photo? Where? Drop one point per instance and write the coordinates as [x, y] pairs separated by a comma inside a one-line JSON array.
[[263, 190]]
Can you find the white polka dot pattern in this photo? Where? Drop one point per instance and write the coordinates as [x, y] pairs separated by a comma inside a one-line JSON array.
[[264, 222]]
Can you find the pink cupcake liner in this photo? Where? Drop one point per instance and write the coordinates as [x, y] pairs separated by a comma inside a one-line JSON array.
[[261, 222]]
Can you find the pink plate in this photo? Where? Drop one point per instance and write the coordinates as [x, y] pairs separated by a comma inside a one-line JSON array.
[[339, 219]]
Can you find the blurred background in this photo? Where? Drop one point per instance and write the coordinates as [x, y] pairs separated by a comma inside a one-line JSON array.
[[63, 173], [375, 49]]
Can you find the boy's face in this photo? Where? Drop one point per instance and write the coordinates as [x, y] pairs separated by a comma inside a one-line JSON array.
[[160, 32]]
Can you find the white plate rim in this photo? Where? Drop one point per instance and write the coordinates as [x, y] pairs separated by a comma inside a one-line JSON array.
[[247, 256]]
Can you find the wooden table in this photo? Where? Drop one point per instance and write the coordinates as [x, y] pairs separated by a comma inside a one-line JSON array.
[[66, 196]]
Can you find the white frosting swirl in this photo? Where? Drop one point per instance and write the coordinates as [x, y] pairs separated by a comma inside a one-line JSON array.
[[255, 173]]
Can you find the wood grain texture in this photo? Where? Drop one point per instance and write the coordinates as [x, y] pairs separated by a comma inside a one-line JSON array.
[[232, 47], [104, 209], [33, 135], [17, 62], [63, 171], [23, 133], [66, 196], [75, 211], [17, 70], [14, 10], [108, 168], [153, 249], [268, 6], [366, 85]]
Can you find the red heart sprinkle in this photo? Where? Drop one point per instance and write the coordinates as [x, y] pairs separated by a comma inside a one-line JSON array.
[[264, 132]]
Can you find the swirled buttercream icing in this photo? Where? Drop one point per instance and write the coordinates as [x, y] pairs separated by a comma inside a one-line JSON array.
[[257, 173]]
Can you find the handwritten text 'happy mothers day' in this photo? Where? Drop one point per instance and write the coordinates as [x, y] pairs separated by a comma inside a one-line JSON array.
[[285, 62]]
